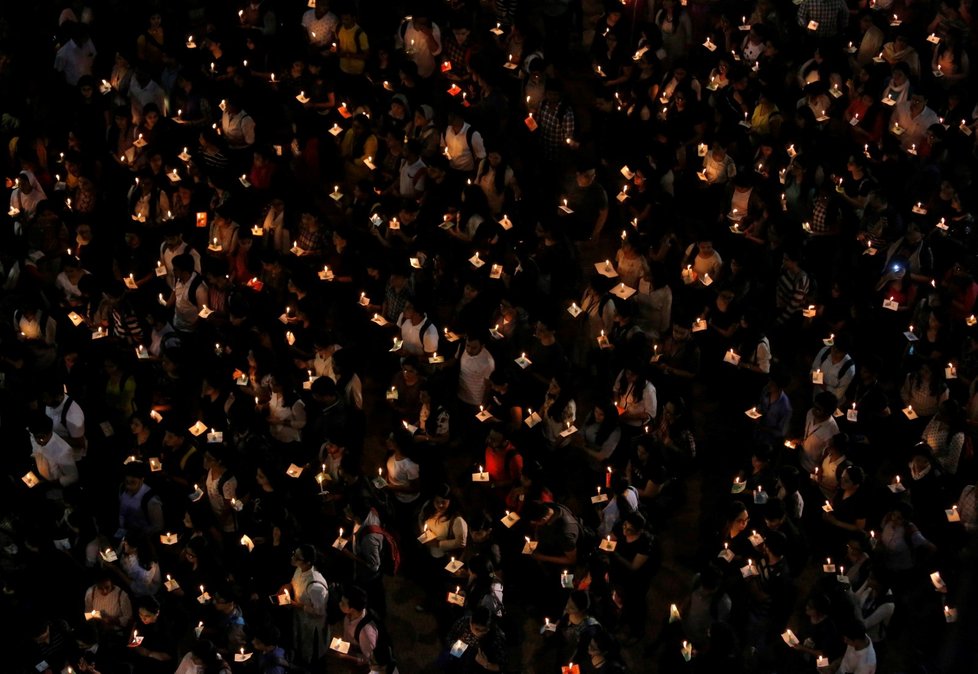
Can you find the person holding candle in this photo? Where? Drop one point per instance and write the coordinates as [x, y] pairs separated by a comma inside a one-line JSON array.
[[309, 596]]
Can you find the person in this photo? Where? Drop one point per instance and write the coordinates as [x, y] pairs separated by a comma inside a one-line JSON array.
[[112, 605], [860, 655], [362, 629], [309, 595], [52, 456], [483, 640], [140, 508]]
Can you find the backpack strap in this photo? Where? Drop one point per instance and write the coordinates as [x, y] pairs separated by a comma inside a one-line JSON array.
[[192, 290], [391, 543], [64, 411]]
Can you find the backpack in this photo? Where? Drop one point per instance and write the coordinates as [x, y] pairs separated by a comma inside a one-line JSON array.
[[843, 367], [383, 650], [395, 552]]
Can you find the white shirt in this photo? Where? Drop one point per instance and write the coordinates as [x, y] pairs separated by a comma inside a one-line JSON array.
[[239, 130], [400, 474], [320, 31], [858, 662], [55, 461], [185, 314], [74, 426], [412, 178], [416, 344], [167, 254], [915, 127], [817, 436], [462, 157], [416, 46], [74, 60], [473, 372], [836, 377]]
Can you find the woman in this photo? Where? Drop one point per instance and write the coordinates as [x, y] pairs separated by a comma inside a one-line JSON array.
[[674, 435], [630, 264], [600, 434], [144, 443], [635, 400], [558, 412], [945, 435], [646, 470], [483, 587], [924, 389], [632, 567], [138, 567], [676, 29], [496, 179], [285, 410], [151, 44], [309, 595], [440, 517], [901, 543], [731, 536], [850, 507], [575, 628]]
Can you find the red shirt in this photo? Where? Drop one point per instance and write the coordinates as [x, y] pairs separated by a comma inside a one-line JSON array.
[[501, 468]]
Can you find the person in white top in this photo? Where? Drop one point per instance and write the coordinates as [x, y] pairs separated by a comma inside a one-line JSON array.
[[418, 334], [237, 126], [463, 145], [442, 519], [635, 398], [475, 366], [309, 594], [173, 245], [26, 195], [421, 41], [413, 171], [53, 456], [860, 655], [68, 418], [76, 56], [189, 294], [320, 24], [836, 366], [820, 428]]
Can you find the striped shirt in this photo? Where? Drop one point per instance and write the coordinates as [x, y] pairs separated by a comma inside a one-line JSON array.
[[792, 290]]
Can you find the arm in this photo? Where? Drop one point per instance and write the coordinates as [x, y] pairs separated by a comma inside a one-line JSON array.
[[459, 533]]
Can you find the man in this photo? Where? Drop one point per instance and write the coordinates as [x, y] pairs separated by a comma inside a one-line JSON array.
[[52, 455], [173, 245], [271, 656], [418, 334], [555, 119], [360, 628], [230, 627], [825, 19], [412, 172], [140, 509], [556, 531], [463, 144], [189, 294], [914, 119], [67, 417], [331, 420], [352, 45], [76, 56], [835, 367], [320, 25], [420, 38], [589, 201], [475, 366], [860, 655], [237, 126], [792, 289]]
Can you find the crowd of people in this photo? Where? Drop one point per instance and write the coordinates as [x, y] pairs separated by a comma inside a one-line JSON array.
[[481, 300]]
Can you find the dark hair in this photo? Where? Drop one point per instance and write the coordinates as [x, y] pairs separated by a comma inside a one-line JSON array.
[[356, 597]]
